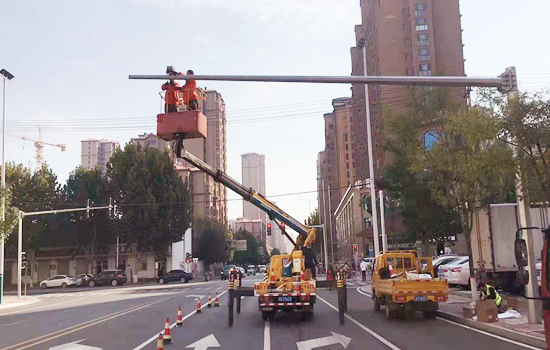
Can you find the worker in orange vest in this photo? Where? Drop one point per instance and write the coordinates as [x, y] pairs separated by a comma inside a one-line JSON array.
[[172, 97], [191, 93]]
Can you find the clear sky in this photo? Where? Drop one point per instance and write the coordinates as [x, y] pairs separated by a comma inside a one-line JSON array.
[[71, 61]]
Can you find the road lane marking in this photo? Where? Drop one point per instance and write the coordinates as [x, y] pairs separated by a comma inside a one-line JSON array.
[[490, 334], [267, 336], [11, 324], [40, 307], [363, 292], [155, 337], [365, 328], [82, 326]]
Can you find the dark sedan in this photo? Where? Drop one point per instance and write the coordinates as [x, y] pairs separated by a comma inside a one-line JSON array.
[[112, 277], [225, 272], [175, 275]]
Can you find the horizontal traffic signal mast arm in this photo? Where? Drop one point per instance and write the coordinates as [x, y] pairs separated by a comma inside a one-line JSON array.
[[498, 82], [273, 211]]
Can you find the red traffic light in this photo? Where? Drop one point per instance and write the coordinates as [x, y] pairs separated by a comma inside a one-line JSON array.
[[268, 225], [282, 224]]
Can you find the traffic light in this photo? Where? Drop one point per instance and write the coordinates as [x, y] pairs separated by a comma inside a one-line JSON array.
[[23, 260], [283, 227], [269, 229], [355, 249]]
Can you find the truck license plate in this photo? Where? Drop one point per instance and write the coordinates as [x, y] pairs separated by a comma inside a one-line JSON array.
[[420, 298], [285, 299]]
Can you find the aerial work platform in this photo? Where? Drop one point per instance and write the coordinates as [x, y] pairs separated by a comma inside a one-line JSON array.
[[190, 124]]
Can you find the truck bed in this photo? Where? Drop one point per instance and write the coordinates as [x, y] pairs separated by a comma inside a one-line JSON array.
[[406, 290]]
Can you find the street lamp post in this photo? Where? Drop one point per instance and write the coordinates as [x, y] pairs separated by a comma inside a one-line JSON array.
[[308, 201], [6, 75], [363, 45]]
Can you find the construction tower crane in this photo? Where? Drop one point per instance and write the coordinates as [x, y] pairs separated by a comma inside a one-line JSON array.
[[39, 144]]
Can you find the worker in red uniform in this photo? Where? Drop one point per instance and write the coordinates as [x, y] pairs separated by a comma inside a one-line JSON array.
[[191, 93], [172, 98]]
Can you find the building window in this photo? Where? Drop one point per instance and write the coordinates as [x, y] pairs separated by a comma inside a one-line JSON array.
[[407, 42], [153, 143], [348, 175], [422, 39], [407, 27], [346, 147], [346, 137], [425, 69], [421, 24], [408, 57], [144, 265], [423, 54], [347, 167], [421, 10], [405, 12], [347, 156], [367, 223], [410, 71]]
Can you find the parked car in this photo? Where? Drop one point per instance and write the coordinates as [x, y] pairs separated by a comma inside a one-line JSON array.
[[442, 260], [83, 279], [175, 275], [112, 277], [262, 268], [251, 270], [225, 272], [58, 281], [456, 272], [370, 263]]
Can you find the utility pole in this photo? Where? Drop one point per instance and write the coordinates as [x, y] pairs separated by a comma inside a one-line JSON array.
[[383, 222], [531, 289], [330, 224], [325, 226], [6, 75], [363, 45], [117, 243]]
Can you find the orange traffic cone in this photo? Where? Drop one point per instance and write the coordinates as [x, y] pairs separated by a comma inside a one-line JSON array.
[[209, 300], [392, 271], [179, 321], [167, 338], [160, 343], [198, 305], [217, 300]]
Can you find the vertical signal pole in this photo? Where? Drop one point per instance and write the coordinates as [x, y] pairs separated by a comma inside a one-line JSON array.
[[534, 311], [230, 290], [19, 252], [383, 222]]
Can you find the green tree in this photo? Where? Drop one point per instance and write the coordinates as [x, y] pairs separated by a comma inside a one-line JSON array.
[[314, 219], [465, 158], [92, 230], [11, 214], [153, 207], [252, 253], [210, 241]]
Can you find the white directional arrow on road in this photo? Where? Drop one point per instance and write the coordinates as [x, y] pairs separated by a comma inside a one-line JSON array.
[[75, 346], [335, 338], [205, 343]]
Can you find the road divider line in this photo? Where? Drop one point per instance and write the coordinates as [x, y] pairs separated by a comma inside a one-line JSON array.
[[267, 336], [364, 292], [155, 337], [40, 307], [11, 324], [490, 334], [85, 325], [362, 326]]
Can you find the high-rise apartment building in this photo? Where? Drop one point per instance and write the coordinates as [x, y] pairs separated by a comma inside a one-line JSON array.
[[336, 167], [403, 37], [97, 153], [209, 197], [253, 176]]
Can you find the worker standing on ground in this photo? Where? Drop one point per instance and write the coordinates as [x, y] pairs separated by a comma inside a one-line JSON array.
[[490, 293], [172, 97], [364, 266], [191, 93], [310, 261]]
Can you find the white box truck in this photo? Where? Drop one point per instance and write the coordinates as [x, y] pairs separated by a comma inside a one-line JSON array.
[[492, 237]]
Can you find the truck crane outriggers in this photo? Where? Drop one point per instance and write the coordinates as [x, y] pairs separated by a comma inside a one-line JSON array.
[[289, 285]]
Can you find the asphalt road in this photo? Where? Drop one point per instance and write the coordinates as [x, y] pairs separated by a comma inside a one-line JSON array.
[[132, 317]]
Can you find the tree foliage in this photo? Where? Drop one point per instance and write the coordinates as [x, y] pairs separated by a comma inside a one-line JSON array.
[[468, 165], [210, 241], [153, 207], [11, 214], [314, 219]]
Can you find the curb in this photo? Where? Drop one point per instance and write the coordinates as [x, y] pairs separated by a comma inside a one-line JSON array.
[[503, 332], [29, 300]]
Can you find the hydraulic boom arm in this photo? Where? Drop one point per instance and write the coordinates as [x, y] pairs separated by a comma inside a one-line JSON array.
[[274, 212]]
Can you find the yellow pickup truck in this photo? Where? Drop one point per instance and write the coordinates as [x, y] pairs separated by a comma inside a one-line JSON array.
[[404, 283]]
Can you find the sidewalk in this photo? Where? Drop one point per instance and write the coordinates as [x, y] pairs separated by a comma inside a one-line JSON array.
[[512, 328], [9, 301]]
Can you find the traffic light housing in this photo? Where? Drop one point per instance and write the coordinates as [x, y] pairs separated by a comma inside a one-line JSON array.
[[355, 249], [23, 260], [269, 229]]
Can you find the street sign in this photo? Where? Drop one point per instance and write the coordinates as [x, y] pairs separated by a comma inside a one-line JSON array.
[[240, 245], [209, 341], [335, 338]]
